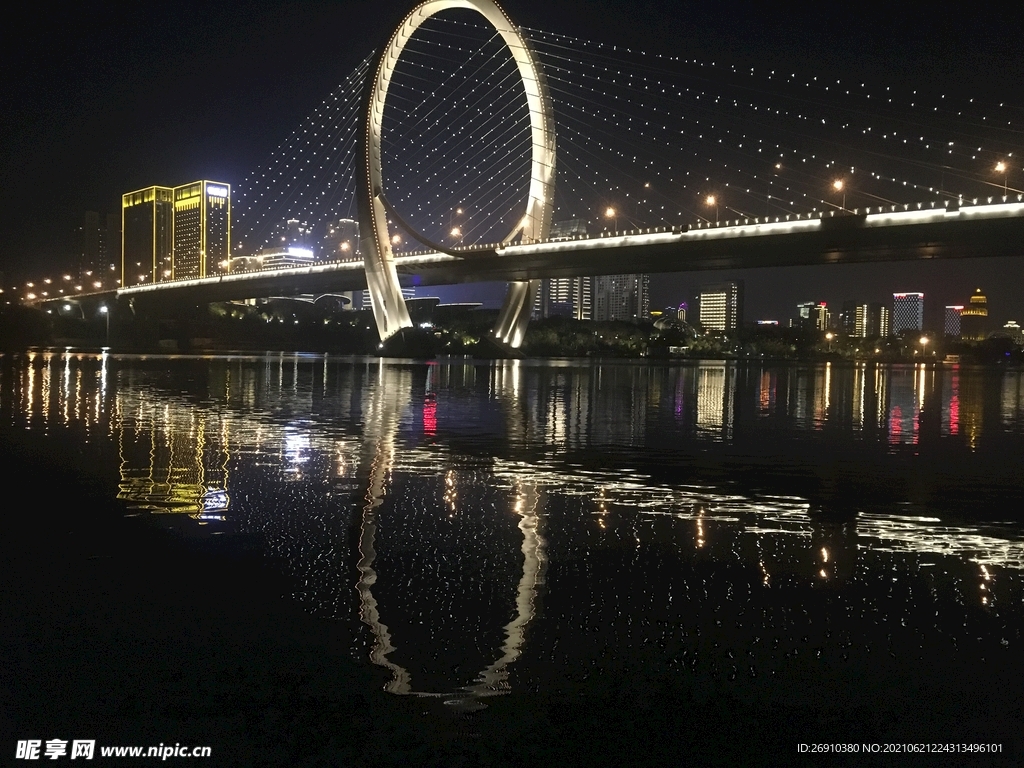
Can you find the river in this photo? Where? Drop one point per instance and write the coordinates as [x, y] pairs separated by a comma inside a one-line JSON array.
[[800, 533]]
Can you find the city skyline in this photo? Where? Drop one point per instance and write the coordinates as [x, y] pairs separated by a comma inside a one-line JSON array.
[[101, 160]]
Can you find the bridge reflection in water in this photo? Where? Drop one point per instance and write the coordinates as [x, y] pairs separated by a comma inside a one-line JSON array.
[[479, 526]]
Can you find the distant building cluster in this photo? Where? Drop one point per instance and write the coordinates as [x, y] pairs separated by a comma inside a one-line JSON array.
[[602, 298], [295, 243], [719, 308], [865, 321]]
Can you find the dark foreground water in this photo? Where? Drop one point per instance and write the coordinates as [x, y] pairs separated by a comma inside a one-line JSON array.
[[841, 540]]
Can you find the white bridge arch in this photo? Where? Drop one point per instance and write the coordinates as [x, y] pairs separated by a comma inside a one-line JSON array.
[[389, 310]]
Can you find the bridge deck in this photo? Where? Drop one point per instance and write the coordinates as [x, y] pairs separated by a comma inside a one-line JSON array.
[[967, 231]]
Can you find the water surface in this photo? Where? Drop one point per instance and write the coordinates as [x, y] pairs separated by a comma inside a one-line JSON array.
[[804, 533]]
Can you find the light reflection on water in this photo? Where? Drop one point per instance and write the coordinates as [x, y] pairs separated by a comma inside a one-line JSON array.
[[482, 525]]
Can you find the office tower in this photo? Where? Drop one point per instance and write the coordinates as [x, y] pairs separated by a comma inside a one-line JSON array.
[[865, 321], [814, 316], [907, 312], [884, 321], [202, 230], [147, 235], [848, 318], [621, 297], [974, 318], [951, 320], [340, 241], [565, 297], [721, 306]]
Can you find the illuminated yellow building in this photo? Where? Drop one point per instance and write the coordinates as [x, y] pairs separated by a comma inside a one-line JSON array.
[[175, 233], [202, 230], [974, 318], [147, 235]]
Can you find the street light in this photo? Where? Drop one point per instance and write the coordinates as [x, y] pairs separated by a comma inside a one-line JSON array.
[[828, 337], [839, 186], [611, 213], [777, 168], [712, 201], [924, 345], [1003, 168], [451, 220]]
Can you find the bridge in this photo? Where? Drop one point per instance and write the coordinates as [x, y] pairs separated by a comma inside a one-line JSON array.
[[986, 229], [470, 108]]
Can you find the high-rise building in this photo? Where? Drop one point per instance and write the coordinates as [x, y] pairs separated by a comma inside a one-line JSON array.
[[951, 320], [865, 321], [99, 245], [621, 297], [110, 245], [89, 259], [907, 312], [721, 306], [202, 230], [814, 316], [876, 321], [974, 318], [175, 233], [565, 297], [848, 317], [884, 321], [147, 235]]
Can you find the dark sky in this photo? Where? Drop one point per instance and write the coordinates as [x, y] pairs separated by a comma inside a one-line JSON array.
[[99, 99]]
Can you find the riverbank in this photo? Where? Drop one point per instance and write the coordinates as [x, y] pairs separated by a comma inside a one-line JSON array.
[[283, 326]]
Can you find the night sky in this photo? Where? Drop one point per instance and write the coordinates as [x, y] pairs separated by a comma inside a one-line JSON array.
[[101, 99]]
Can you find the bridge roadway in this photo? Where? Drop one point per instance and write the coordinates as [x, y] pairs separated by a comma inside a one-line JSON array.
[[894, 234]]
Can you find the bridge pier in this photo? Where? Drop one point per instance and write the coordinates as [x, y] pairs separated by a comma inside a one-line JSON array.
[[510, 330]]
